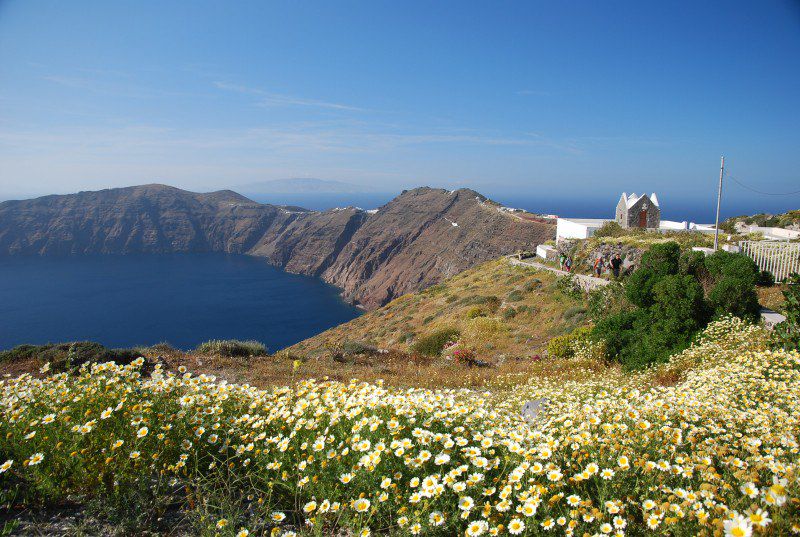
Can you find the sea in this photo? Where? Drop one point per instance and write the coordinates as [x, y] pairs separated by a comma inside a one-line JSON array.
[[182, 299]]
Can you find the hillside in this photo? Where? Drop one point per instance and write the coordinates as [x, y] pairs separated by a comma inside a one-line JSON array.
[[789, 219], [414, 241], [501, 310]]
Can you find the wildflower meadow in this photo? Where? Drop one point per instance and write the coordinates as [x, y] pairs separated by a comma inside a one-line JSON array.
[[706, 444]]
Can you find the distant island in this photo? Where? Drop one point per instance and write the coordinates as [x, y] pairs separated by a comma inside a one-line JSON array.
[[416, 240]]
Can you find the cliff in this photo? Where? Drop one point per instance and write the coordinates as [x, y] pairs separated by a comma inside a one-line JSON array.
[[418, 239]]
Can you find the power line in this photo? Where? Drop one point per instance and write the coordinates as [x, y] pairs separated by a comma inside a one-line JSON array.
[[735, 180]]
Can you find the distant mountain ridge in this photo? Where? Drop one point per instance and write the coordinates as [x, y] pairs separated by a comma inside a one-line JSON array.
[[416, 240]]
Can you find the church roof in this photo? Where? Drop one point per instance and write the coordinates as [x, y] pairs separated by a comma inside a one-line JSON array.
[[631, 199]]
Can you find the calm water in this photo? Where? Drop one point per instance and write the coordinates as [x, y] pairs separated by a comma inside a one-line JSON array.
[[122, 301]]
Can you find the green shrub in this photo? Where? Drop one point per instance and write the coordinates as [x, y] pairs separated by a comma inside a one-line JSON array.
[[532, 285], [605, 300], [62, 356], [610, 229], [475, 311], [569, 287], [509, 313], [358, 347], [433, 343], [787, 333], [765, 279], [515, 296], [693, 263], [560, 347], [232, 348], [564, 346]]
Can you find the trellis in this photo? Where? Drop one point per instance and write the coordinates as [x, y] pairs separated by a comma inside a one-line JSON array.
[[779, 258]]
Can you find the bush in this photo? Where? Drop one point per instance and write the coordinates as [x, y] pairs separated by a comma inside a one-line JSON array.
[[509, 313], [232, 348], [787, 333], [569, 287], [475, 312], [433, 343], [63, 356], [565, 346], [605, 300], [765, 279], [610, 229], [357, 347], [515, 296], [560, 347]]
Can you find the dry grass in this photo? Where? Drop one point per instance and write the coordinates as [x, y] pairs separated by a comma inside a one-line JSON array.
[[503, 311], [772, 297]]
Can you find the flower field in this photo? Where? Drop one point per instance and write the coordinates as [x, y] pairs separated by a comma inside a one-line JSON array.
[[704, 445]]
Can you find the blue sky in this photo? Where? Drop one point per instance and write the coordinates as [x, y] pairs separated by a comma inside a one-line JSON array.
[[558, 98]]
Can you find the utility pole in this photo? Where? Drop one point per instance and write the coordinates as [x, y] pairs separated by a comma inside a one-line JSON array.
[[719, 199]]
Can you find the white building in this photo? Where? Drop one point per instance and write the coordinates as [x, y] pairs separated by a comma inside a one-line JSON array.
[[583, 228], [770, 233], [578, 228]]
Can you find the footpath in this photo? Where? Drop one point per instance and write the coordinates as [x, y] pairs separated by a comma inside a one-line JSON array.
[[586, 282]]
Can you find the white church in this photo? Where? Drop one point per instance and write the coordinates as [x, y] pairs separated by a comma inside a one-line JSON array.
[[633, 211]]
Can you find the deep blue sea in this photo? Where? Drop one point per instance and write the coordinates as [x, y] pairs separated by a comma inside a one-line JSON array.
[[184, 299], [676, 208]]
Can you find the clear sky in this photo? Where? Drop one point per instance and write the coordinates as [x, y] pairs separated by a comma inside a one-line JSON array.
[[564, 98]]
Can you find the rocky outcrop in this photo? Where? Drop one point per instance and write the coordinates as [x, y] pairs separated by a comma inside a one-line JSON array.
[[419, 238]]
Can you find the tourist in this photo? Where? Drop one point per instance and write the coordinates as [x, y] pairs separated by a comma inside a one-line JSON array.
[[568, 264], [599, 265], [616, 264], [561, 260]]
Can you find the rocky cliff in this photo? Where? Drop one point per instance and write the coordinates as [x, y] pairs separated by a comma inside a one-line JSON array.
[[416, 240]]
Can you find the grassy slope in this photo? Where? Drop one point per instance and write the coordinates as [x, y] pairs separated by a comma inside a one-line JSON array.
[[492, 290]]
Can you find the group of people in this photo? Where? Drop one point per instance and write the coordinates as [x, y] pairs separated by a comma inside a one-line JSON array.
[[601, 264]]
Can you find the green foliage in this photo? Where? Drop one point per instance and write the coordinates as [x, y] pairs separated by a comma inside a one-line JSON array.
[[670, 304], [490, 303], [737, 297], [433, 343], [605, 300], [734, 291], [509, 313], [569, 287], [515, 296], [564, 346], [662, 259], [693, 263], [765, 279], [62, 356], [232, 348], [610, 229], [475, 311], [358, 347], [560, 347], [787, 333]]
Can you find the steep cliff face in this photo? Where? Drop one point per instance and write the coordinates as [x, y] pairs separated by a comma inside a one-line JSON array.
[[418, 239], [424, 236]]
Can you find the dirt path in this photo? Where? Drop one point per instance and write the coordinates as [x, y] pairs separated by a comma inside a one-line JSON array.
[[585, 281]]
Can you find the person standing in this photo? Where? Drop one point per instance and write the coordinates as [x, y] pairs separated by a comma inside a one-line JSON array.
[[561, 260], [568, 264], [616, 265], [599, 265]]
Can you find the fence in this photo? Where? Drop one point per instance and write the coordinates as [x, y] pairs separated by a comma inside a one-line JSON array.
[[779, 258]]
